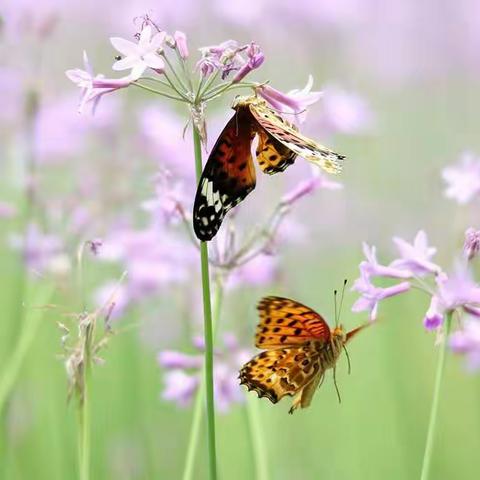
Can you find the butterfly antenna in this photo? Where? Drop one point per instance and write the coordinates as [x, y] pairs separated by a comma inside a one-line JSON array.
[[335, 305], [336, 386], [348, 359], [341, 298]]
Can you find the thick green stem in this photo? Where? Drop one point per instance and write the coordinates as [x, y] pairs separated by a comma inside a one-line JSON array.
[[208, 331], [84, 426], [257, 442], [197, 409], [432, 425]]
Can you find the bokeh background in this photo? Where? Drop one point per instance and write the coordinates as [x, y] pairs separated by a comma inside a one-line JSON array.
[[401, 100]]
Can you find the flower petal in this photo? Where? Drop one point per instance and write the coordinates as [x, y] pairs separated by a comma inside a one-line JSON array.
[[126, 63], [125, 47]]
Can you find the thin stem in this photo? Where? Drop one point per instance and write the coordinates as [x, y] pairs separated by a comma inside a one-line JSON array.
[[427, 457], [84, 423], [149, 89], [157, 80], [208, 331], [175, 74], [197, 409], [257, 442]]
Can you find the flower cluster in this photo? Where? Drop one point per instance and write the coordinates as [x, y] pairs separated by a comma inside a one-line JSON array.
[[463, 178], [184, 373], [453, 292]]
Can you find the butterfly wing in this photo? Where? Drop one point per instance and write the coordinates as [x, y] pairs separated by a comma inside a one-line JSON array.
[[287, 322], [276, 373], [228, 176], [282, 131], [272, 155]]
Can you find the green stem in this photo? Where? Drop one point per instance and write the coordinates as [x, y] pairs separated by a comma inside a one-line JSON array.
[[257, 442], [197, 409], [427, 457], [149, 89], [183, 87], [208, 330], [84, 426]]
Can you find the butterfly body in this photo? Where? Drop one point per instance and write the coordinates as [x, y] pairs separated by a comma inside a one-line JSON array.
[[300, 348], [229, 174]]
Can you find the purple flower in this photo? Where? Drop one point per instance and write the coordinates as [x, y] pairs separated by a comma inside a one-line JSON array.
[[95, 86], [113, 293], [344, 112], [372, 295], [7, 210], [260, 270], [184, 373], [434, 316], [255, 60], [294, 102], [181, 43], [415, 257], [463, 178], [467, 342], [371, 267], [142, 55], [471, 246]]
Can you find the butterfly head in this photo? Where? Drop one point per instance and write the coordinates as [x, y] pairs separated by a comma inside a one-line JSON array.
[[338, 333], [242, 101]]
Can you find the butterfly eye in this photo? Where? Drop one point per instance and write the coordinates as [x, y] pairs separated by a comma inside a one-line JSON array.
[[118, 58]]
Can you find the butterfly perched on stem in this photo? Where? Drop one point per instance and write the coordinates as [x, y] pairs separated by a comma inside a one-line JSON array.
[[229, 174], [299, 348]]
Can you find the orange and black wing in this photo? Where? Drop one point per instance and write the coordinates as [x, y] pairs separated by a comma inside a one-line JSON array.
[[228, 176], [287, 322], [272, 155]]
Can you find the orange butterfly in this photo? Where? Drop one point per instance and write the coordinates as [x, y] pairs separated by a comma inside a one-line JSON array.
[[300, 348], [229, 174]]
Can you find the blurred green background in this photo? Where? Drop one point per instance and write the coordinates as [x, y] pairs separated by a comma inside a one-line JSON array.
[[415, 69]]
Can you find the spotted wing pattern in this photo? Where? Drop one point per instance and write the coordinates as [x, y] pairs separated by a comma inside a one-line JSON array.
[[284, 371], [285, 322], [272, 155], [228, 176], [281, 130]]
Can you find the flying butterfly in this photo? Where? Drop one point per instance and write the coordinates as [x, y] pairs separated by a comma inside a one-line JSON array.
[[299, 348], [229, 174]]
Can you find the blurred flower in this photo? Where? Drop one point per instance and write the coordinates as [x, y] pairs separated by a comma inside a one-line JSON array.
[[142, 55], [95, 245], [434, 316], [416, 257], [260, 270], [184, 373], [463, 178], [95, 86], [11, 86], [7, 210], [471, 247], [294, 102], [372, 295], [115, 293], [255, 60], [344, 112], [467, 342], [181, 43]]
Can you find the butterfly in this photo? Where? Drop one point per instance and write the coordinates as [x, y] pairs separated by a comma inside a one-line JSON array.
[[299, 348], [229, 174]]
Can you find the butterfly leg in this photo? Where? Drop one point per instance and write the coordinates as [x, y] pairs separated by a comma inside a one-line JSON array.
[[335, 383]]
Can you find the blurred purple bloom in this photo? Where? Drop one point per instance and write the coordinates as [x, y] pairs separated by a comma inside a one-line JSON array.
[[255, 60], [142, 55], [344, 112], [260, 270], [7, 210], [415, 257], [225, 57], [95, 245], [371, 267], [434, 316], [184, 373], [113, 293], [95, 86], [372, 295], [11, 86], [463, 178], [181, 42], [467, 342], [471, 247]]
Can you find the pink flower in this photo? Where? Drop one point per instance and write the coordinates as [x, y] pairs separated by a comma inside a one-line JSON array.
[[372, 295], [434, 316], [471, 246], [371, 267], [7, 210], [467, 342], [94, 87], [181, 43], [463, 178], [415, 257], [344, 112], [261, 270], [294, 102], [142, 55], [225, 57], [255, 60]]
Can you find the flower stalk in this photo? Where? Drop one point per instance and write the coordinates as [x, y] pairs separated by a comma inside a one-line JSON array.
[[208, 329], [432, 424]]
